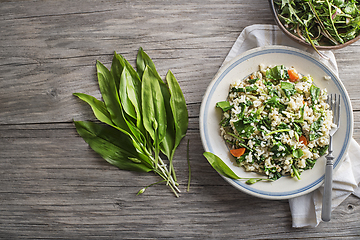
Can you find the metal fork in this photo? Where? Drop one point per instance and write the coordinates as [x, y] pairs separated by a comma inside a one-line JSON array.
[[334, 102]]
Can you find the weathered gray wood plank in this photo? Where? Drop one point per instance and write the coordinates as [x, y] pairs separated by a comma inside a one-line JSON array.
[[61, 189], [49, 52]]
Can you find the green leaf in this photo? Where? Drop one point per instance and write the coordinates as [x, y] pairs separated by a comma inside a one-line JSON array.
[[153, 105], [219, 165], [314, 93], [244, 130], [98, 107], [224, 105], [315, 127], [153, 108], [296, 172], [130, 95], [110, 95], [117, 67], [288, 88], [297, 153], [114, 146], [168, 143], [251, 88], [178, 108], [277, 73], [143, 60]]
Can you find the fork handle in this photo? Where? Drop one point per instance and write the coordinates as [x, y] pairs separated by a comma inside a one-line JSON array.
[[326, 202]]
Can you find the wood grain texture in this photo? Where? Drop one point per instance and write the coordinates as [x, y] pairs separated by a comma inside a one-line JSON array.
[[54, 186]]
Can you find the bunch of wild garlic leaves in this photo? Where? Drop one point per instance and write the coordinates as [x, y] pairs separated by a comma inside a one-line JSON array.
[[321, 22], [140, 115]]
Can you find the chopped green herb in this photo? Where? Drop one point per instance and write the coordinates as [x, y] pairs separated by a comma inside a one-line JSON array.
[[297, 153], [277, 73], [314, 92], [315, 129], [224, 105], [252, 81], [296, 172], [288, 88], [234, 89], [251, 88]]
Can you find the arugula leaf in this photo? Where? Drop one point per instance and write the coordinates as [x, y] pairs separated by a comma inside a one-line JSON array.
[[326, 22], [323, 150], [310, 163], [265, 122], [225, 122]]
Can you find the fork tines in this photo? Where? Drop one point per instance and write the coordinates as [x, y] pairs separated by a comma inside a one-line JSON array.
[[334, 102]]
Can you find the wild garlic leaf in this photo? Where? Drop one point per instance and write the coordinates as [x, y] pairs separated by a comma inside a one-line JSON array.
[[126, 102], [153, 109], [110, 95], [168, 143], [178, 108], [114, 146], [139, 117], [143, 60], [219, 165], [98, 107], [117, 67]]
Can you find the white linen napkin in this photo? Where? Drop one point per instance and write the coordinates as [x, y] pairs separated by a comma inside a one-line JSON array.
[[306, 209]]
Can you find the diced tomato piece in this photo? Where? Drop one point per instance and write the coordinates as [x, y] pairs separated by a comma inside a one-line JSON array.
[[237, 152], [303, 140], [293, 75]]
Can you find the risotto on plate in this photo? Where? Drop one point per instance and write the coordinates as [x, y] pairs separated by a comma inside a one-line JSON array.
[[276, 122]]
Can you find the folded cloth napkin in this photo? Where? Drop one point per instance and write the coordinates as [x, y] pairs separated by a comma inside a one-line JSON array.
[[306, 209]]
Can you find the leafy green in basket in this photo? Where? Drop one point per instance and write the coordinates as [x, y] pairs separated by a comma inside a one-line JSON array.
[[140, 116], [326, 22]]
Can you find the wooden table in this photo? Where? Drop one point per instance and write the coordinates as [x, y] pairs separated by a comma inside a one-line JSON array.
[[52, 185]]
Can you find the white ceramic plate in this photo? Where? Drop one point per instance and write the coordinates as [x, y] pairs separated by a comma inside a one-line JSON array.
[[239, 68]]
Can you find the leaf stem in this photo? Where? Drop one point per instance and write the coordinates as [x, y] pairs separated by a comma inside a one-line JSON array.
[[188, 161], [143, 189]]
